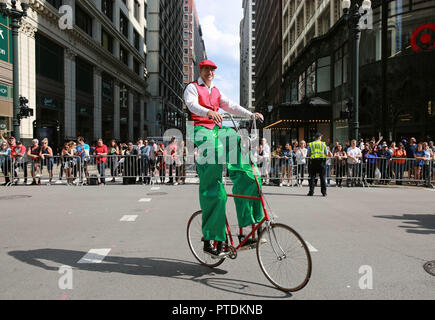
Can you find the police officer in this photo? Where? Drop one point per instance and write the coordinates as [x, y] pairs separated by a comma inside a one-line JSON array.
[[317, 153]]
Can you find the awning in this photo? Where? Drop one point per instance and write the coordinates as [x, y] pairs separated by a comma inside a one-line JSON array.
[[301, 113], [287, 124]]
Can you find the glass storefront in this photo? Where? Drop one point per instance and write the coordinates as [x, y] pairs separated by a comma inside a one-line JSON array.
[[395, 91]]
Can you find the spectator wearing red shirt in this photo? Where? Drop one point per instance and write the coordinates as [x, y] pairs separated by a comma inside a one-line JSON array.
[[171, 157], [101, 152], [18, 154]]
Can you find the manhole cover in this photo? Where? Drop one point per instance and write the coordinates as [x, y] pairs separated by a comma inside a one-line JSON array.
[[157, 193], [13, 197], [430, 267]]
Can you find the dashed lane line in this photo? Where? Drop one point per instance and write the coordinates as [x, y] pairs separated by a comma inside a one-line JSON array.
[[94, 256], [129, 218]]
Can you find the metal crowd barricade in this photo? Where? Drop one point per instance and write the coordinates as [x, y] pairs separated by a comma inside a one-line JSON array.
[[367, 172], [6, 165], [132, 169]]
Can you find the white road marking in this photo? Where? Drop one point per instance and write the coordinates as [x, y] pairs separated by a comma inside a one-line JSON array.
[[310, 247], [145, 200], [94, 256], [155, 188], [128, 218]]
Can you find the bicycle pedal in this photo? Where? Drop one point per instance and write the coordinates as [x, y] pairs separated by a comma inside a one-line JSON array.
[[248, 247]]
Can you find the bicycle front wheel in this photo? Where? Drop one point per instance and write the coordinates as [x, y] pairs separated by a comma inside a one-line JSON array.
[[194, 239], [284, 257]]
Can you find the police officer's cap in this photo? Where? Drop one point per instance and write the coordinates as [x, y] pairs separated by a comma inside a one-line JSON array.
[[318, 135]]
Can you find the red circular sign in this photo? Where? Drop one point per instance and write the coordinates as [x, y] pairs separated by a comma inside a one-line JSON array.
[[423, 38]]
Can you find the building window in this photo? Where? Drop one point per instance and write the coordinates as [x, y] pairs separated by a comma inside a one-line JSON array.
[[311, 80], [83, 20], [186, 17], [186, 60], [338, 68], [186, 43], [136, 7], [123, 24], [136, 39], [294, 90], [107, 8], [84, 76], [301, 86], [324, 74], [123, 55], [136, 66], [49, 59], [107, 90], [106, 41]]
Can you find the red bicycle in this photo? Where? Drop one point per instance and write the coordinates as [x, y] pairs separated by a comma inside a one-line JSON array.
[[283, 255]]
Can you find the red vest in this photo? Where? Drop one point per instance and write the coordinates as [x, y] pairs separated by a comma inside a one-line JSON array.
[[209, 101]]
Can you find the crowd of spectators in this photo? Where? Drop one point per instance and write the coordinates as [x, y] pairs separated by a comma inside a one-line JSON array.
[[362, 162], [353, 163], [135, 163]]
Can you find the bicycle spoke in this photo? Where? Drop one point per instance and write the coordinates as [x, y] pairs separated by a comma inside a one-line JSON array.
[[291, 269]]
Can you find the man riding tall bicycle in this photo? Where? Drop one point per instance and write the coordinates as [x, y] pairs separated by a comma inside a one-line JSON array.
[[204, 100]]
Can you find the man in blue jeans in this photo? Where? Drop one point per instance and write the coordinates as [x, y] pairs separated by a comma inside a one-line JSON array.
[[101, 152]]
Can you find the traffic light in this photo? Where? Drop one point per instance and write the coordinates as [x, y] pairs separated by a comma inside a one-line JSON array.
[[25, 111]]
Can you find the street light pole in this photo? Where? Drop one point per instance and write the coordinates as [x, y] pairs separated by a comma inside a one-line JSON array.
[[16, 16], [353, 16]]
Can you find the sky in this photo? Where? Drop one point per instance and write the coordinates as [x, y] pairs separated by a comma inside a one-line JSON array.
[[220, 23]]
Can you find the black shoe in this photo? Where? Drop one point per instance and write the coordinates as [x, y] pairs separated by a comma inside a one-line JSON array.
[[214, 253], [208, 249], [248, 243], [310, 194], [324, 194]]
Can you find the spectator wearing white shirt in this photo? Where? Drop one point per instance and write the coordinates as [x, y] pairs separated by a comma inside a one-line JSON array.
[[264, 158], [152, 156], [354, 155], [301, 160]]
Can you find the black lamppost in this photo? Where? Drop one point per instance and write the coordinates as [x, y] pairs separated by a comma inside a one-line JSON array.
[[16, 15], [353, 15]]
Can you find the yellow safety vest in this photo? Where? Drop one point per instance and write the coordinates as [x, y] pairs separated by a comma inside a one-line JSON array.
[[317, 150]]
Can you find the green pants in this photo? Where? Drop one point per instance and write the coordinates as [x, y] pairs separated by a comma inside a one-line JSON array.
[[212, 195]]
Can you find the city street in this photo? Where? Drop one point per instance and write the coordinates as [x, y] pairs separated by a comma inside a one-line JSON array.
[[140, 235]]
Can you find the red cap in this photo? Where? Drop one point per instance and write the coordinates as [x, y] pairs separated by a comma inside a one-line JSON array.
[[207, 63]]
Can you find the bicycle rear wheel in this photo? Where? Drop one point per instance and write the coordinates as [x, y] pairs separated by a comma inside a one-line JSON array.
[[284, 257], [194, 239]]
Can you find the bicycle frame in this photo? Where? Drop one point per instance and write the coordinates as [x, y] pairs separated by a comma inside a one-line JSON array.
[[259, 198]]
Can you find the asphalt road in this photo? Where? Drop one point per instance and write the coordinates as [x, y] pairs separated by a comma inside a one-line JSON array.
[[380, 235]]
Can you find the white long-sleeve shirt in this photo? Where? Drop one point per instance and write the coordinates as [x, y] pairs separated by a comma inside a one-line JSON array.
[[191, 100]]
